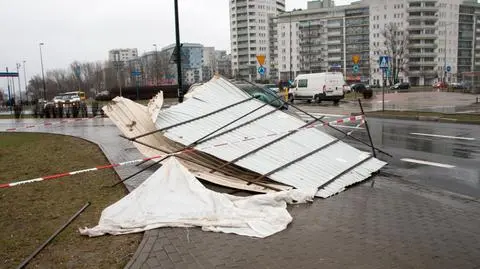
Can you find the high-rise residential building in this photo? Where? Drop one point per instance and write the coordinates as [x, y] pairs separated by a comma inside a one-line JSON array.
[[223, 63], [192, 62], [324, 38], [122, 54], [249, 34], [425, 41]]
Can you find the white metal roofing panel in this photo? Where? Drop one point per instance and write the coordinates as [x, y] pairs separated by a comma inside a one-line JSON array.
[[310, 172]]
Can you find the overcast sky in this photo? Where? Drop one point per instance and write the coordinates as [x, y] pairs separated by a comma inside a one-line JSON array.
[[85, 30]]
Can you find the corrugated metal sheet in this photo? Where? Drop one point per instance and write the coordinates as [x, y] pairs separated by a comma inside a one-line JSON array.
[[311, 172]]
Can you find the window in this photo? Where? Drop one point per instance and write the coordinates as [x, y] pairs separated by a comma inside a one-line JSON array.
[[302, 83]]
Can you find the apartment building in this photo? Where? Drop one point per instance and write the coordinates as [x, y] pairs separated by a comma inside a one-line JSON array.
[[192, 62], [324, 38], [122, 54], [249, 34]]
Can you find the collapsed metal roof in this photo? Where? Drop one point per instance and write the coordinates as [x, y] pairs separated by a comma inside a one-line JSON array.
[[262, 139]]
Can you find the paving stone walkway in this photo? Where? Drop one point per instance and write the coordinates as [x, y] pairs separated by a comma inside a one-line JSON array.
[[393, 225]]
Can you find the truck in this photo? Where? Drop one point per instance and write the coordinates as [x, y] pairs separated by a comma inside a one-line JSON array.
[[318, 87]]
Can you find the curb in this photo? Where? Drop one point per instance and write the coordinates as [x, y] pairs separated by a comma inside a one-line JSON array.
[[420, 118]]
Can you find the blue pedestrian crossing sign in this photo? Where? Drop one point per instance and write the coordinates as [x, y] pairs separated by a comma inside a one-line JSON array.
[[356, 68], [449, 68], [383, 62], [261, 70]]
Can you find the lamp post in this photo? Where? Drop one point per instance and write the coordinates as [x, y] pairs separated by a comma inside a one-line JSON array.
[[19, 86], [156, 65], [25, 79], [179, 58], [43, 74], [290, 46]]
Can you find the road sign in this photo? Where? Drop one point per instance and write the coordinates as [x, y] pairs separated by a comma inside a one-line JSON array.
[[261, 70], [449, 68], [335, 66], [261, 59], [383, 62], [136, 73], [8, 74], [356, 59], [356, 68]]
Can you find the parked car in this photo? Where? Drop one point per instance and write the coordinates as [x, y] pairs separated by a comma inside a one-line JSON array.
[[327, 86], [363, 89], [347, 88], [401, 86], [461, 85], [440, 85]]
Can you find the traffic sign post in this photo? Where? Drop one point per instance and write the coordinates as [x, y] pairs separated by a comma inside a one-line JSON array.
[[136, 74], [356, 68], [261, 59], [383, 62], [261, 70]]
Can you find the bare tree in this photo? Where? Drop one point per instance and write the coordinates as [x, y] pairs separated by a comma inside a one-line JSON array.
[[393, 44]]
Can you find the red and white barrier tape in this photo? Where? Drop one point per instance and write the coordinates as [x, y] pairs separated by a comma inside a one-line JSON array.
[[12, 184], [45, 124]]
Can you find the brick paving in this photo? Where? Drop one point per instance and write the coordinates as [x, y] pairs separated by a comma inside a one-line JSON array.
[[393, 225]]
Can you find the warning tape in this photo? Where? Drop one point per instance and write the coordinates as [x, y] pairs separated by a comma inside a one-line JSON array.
[[12, 184], [45, 124]]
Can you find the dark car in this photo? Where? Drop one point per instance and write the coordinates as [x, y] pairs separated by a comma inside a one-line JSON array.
[[263, 94], [363, 89], [401, 86]]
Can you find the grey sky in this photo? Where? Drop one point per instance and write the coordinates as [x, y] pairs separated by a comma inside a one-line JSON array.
[[85, 30]]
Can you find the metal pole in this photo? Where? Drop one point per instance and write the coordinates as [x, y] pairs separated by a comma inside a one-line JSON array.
[[43, 75], [445, 57], [25, 78], [383, 89], [290, 47], [179, 58], [368, 129], [9, 94], [72, 218], [19, 86], [156, 65]]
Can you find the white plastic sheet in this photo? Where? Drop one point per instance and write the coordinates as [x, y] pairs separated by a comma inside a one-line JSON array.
[[173, 197]]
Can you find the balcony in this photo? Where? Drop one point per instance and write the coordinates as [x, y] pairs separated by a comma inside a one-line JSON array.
[[334, 50], [422, 45], [422, 18], [422, 63], [420, 26], [335, 33], [422, 36], [243, 38], [422, 72], [422, 8], [334, 25], [337, 41], [421, 54], [334, 58]]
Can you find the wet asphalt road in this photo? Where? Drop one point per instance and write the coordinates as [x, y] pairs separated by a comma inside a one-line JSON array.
[[449, 154], [441, 155]]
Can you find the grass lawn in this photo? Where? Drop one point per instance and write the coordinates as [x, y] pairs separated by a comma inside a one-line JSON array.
[[30, 213]]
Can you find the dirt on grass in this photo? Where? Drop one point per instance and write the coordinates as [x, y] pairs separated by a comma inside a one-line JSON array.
[[30, 213]]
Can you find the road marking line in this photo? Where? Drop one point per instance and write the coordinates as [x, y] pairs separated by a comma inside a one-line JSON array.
[[445, 136], [428, 163]]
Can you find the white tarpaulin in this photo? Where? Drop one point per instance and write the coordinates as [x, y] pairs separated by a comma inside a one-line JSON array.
[[173, 197]]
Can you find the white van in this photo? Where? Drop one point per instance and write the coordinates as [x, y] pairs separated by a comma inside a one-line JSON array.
[[319, 87]]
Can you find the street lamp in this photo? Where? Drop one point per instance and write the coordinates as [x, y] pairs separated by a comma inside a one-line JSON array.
[[156, 65], [25, 78], [43, 74]]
